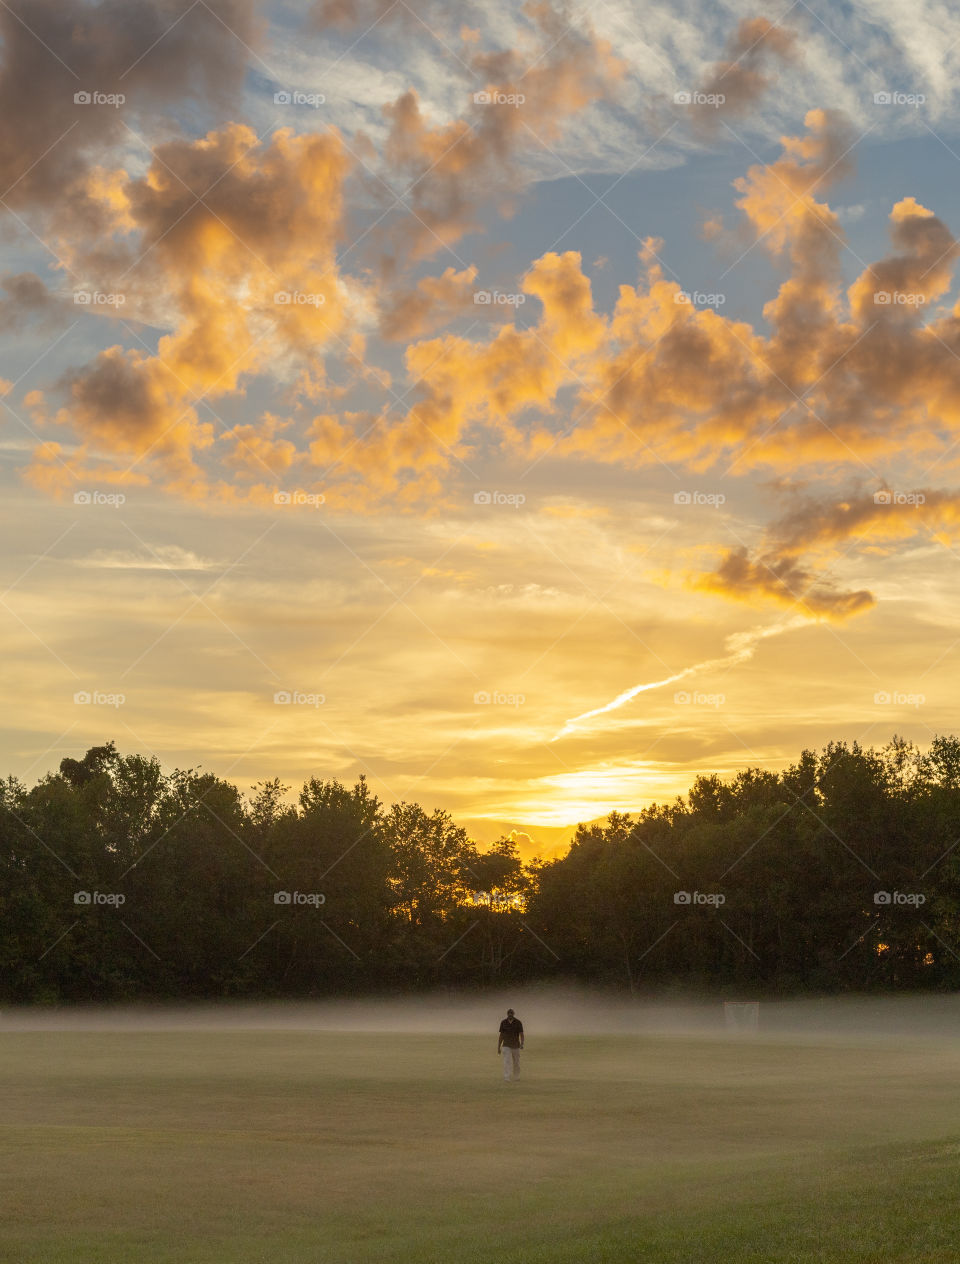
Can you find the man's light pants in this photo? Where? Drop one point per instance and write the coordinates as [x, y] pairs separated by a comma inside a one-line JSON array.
[[511, 1063]]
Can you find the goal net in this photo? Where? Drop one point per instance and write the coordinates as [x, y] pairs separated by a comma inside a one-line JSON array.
[[741, 1015]]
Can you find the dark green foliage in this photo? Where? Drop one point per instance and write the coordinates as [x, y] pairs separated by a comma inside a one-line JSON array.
[[119, 881]]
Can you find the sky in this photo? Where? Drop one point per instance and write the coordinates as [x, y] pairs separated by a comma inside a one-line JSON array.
[[528, 407]]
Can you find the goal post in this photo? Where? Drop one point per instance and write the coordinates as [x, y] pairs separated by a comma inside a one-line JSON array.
[[741, 1015]]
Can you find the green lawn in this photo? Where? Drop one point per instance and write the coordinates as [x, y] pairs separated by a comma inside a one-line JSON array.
[[296, 1146]]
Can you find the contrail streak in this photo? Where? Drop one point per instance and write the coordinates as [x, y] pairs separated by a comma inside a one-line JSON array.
[[740, 647]]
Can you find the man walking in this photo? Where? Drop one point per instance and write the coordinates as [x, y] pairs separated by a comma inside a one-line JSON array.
[[510, 1043]]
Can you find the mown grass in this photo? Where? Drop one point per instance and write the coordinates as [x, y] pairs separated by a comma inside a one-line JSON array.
[[249, 1146]]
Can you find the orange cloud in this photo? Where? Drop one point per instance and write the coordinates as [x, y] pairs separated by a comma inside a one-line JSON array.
[[740, 78], [256, 451], [898, 288], [783, 580], [53, 48], [828, 529], [235, 247], [457, 166], [466, 384], [434, 301]]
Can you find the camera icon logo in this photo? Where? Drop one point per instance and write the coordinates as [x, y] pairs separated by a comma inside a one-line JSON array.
[[482, 98], [281, 98], [883, 498], [81, 296], [882, 98], [882, 298], [682, 498], [81, 498], [682, 98], [882, 897], [81, 897], [482, 498], [281, 498], [82, 698], [283, 697], [681, 897], [81, 98], [282, 296], [482, 297], [481, 698], [282, 897]]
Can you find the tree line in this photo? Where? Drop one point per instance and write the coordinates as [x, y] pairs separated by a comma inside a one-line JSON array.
[[119, 881]]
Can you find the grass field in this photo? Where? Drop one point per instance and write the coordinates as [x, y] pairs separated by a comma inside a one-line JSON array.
[[303, 1146]]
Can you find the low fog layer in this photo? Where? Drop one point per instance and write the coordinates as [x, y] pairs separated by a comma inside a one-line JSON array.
[[545, 1011]]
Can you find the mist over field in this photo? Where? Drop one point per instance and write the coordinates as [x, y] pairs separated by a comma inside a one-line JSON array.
[[548, 1011], [383, 1132]]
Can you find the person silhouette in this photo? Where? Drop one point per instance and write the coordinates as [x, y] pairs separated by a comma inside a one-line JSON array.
[[510, 1043]]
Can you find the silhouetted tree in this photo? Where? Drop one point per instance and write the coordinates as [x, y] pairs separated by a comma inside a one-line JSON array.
[[117, 880]]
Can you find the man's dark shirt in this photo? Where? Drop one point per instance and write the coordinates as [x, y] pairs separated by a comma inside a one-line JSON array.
[[511, 1029]]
